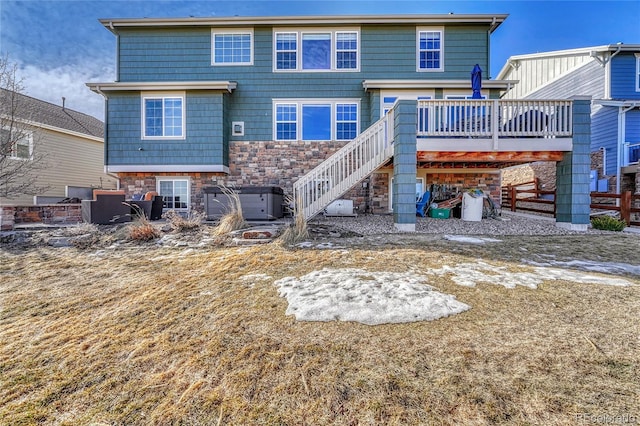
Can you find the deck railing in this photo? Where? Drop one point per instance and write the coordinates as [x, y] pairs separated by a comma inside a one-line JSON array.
[[348, 166], [494, 118]]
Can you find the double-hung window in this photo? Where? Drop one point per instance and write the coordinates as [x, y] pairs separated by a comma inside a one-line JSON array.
[[316, 120], [430, 49], [16, 144], [163, 116], [317, 50], [232, 47]]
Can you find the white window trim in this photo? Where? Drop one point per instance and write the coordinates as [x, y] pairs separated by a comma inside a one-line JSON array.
[[637, 55], [404, 95], [299, 33], [173, 179], [433, 29], [13, 154], [314, 101], [234, 31], [156, 95]]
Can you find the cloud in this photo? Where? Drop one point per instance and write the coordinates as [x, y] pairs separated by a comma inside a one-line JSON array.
[[68, 81]]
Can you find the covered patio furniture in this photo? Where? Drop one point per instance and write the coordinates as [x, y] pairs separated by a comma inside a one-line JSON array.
[[106, 208]]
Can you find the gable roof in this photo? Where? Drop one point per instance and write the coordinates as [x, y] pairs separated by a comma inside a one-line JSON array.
[[591, 52], [494, 20], [55, 117]]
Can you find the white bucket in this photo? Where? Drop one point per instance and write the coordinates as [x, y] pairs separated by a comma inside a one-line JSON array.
[[472, 207]]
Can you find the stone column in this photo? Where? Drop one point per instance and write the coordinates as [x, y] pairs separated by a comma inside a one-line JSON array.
[[572, 173], [404, 165]]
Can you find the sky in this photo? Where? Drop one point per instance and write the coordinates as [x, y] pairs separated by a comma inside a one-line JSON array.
[[59, 45]]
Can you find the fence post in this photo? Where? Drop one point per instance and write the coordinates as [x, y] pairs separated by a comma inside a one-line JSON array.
[[513, 194], [625, 207]]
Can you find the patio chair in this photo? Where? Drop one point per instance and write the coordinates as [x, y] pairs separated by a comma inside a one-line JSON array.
[[423, 204]]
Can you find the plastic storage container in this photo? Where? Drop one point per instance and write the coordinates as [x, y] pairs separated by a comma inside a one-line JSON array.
[[439, 213]]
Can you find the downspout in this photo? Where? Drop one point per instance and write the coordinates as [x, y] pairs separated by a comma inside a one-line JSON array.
[[620, 143], [106, 134]]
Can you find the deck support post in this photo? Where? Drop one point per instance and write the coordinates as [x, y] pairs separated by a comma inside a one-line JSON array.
[[404, 165], [572, 173]]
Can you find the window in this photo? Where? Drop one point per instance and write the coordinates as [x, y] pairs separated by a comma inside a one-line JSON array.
[[163, 116], [232, 48], [319, 50], [316, 120], [430, 49], [19, 145], [175, 193]]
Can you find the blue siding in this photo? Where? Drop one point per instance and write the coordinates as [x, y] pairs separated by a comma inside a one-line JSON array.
[[204, 143], [386, 52], [632, 126], [623, 77], [184, 54], [604, 133]]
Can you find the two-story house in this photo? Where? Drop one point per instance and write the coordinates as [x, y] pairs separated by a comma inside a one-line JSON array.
[[67, 145], [610, 74], [371, 108]]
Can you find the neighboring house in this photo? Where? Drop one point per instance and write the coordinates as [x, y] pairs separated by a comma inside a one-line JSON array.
[[70, 143], [378, 105], [610, 74]]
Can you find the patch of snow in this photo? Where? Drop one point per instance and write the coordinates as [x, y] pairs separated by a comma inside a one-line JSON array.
[[250, 279], [470, 240], [470, 274], [367, 297], [319, 246], [593, 266]]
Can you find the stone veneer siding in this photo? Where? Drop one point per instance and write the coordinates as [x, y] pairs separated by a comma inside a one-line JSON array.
[[282, 163]]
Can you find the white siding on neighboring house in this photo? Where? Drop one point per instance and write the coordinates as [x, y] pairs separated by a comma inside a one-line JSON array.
[[588, 80], [71, 160], [536, 73]]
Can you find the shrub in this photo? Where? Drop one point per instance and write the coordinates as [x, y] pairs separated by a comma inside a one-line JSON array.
[[141, 229], [298, 230], [608, 223], [192, 220], [233, 219]]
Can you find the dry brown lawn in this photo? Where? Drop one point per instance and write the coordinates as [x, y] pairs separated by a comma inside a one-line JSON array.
[[147, 335]]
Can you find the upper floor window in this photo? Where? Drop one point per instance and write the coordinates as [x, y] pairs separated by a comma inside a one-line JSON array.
[[316, 120], [16, 144], [318, 50], [163, 116], [232, 47], [430, 47]]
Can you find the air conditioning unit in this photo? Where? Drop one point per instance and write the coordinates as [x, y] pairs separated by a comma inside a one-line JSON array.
[[340, 208]]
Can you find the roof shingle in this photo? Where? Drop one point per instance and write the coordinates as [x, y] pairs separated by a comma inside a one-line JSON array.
[[41, 112]]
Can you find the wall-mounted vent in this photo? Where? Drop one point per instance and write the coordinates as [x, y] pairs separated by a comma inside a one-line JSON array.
[[237, 128]]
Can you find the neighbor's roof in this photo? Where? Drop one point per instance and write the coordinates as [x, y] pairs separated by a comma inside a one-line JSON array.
[[494, 20], [55, 117], [593, 50]]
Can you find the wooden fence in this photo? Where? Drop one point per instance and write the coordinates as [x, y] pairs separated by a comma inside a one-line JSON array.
[[526, 197]]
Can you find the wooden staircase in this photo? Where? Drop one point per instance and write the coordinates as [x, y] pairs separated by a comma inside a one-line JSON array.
[[355, 161]]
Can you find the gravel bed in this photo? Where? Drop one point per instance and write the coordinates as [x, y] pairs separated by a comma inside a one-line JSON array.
[[508, 224]]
